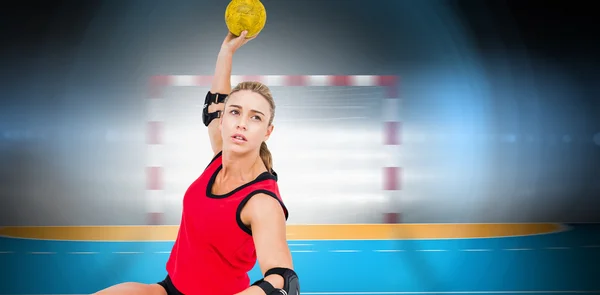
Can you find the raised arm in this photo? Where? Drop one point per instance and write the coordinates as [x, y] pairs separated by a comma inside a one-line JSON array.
[[221, 83]]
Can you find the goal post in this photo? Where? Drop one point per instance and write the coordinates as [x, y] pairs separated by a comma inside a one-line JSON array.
[[391, 172]]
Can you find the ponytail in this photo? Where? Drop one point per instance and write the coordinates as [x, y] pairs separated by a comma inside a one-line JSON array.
[[266, 157]]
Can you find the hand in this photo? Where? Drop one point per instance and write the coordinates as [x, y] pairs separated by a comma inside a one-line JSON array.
[[232, 43]]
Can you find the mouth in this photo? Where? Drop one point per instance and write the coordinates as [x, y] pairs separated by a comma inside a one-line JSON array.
[[239, 137]]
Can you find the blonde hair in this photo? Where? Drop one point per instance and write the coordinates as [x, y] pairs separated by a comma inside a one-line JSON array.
[[265, 92]]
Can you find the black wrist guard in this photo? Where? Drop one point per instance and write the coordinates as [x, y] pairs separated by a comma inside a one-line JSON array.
[[211, 98]]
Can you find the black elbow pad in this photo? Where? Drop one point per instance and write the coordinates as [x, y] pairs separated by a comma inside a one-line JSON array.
[[208, 100], [291, 284]]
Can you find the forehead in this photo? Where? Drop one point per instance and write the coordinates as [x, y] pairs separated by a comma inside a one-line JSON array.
[[249, 100]]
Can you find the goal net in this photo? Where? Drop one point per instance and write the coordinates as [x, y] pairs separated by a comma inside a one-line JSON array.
[[330, 145]]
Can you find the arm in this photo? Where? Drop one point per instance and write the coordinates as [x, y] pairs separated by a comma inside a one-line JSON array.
[[267, 220], [221, 83]]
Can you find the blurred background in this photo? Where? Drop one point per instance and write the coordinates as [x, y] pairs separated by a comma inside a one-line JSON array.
[[500, 108]]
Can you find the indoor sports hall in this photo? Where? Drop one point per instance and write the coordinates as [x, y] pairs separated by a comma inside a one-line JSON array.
[[420, 147]]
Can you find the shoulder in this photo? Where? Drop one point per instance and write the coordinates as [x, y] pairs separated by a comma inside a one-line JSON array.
[[263, 200], [264, 205], [215, 159], [274, 174], [217, 155]]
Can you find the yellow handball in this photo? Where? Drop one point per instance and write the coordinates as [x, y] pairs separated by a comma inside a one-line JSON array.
[[249, 15]]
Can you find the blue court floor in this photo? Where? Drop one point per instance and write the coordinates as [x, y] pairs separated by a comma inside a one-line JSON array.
[[567, 262]]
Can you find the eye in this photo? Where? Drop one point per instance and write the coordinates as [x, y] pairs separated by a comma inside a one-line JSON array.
[[258, 118], [234, 112]]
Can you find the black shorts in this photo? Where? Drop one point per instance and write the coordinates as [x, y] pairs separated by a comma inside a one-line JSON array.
[[169, 287]]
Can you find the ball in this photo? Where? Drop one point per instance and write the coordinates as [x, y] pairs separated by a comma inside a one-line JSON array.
[[245, 15]]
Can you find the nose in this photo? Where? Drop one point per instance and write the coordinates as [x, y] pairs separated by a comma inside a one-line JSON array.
[[241, 124]]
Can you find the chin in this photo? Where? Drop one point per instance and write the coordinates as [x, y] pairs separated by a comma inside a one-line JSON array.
[[237, 149]]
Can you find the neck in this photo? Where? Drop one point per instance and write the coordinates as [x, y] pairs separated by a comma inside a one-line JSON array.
[[243, 167]]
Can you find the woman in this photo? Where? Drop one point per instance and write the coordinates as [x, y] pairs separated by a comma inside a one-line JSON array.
[[232, 214]]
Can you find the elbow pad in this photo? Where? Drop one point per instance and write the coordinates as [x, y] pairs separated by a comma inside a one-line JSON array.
[[291, 284], [211, 98]]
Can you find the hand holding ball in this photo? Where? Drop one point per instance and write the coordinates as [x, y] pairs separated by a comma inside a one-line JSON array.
[[245, 15]]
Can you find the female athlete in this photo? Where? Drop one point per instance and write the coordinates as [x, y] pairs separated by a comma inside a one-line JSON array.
[[232, 214]]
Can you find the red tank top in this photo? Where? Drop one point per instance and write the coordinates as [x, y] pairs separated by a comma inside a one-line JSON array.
[[214, 250]]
